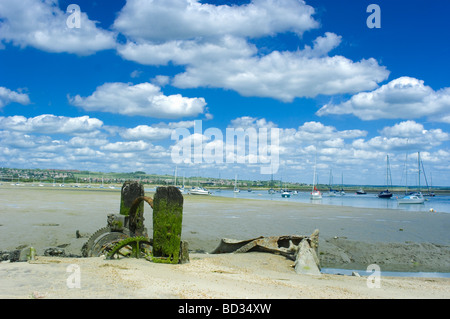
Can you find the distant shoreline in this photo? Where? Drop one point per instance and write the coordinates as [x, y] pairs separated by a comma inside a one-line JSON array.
[[323, 188], [72, 176]]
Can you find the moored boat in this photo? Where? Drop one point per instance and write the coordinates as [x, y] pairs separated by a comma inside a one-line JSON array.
[[315, 193], [414, 198], [361, 191], [236, 189], [285, 194], [199, 191], [385, 194]]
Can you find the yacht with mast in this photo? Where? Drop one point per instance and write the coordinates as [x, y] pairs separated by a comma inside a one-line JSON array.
[[236, 189], [332, 192], [342, 192], [199, 190], [315, 193], [387, 193], [413, 197]]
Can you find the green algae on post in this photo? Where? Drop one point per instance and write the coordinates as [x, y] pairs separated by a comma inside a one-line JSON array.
[[167, 223], [130, 191]]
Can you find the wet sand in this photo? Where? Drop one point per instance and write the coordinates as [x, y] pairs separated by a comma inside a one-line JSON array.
[[350, 238]]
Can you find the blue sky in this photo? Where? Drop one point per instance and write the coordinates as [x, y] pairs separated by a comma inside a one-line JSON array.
[[107, 96]]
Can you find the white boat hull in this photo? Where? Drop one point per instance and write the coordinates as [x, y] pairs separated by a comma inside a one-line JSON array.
[[316, 195], [411, 200], [199, 192]]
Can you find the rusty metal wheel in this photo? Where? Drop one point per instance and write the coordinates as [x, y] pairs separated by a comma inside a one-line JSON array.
[[136, 247]]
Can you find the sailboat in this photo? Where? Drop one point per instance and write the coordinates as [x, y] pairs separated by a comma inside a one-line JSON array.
[[412, 198], [285, 193], [361, 191], [182, 190], [271, 190], [342, 192], [236, 189], [198, 190], [315, 193], [175, 181], [331, 192], [387, 193]]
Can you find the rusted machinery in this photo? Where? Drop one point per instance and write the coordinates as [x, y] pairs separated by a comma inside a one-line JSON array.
[[126, 236]]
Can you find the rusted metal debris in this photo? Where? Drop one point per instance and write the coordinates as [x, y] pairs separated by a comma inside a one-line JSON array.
[[273, 244], [302, 249]]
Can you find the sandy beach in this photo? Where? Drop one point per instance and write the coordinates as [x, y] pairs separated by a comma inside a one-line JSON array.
[[350, 238], [224, 276]]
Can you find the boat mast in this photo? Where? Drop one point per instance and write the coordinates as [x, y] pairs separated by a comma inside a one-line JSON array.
[[331, 179], [431, 180], [418, 164], [388, 173], [425, 175], [314, 177], [406, 173], [175, 181], [387, 176]]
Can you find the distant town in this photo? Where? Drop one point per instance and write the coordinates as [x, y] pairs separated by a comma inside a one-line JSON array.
[[59, 177]]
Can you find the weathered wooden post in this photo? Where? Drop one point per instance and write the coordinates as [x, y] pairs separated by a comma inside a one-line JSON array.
[[167, 221], [130, 191]]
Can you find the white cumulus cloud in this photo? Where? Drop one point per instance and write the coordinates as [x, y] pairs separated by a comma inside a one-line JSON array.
[[144, 99], [213, 43], [120, 147], [42, 25], [50, 124], [7, 96], [402, 98], [159, 20], [159, 131], [285, 75], [405, 135]]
